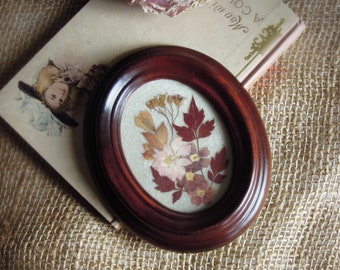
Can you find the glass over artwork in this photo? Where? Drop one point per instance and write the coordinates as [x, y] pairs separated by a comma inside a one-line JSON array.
[[176, 145]]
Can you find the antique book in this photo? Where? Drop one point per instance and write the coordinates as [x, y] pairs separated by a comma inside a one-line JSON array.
[[45, 102]]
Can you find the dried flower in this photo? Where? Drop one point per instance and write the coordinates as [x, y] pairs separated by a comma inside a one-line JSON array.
[[168, 7], [152, 103], [161, 100], [202, 194], [171, 160]]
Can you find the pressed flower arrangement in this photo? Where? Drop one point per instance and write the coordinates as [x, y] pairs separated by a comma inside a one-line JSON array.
[[180, 163], [178, 149]]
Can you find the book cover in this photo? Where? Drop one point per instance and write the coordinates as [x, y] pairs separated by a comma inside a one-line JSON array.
[[45, 102]]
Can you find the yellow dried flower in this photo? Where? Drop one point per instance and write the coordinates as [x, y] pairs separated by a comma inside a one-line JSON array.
[[178, 100], [152, 103], [170, 99], [161, 100]]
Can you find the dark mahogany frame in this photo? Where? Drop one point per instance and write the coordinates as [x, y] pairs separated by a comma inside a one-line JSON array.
[[231, 215]]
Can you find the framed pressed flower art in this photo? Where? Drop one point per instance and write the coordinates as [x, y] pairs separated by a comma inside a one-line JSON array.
[[177, 148]]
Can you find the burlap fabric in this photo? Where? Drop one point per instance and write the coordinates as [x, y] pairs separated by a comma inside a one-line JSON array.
[[44, 224]]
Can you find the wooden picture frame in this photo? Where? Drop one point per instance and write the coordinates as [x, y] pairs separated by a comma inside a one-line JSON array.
[[159, 203]]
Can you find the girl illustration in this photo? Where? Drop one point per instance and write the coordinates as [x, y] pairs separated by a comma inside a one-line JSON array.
[[62, 89]]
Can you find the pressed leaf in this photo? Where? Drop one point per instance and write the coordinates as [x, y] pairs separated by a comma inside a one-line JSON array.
[[206, 129], [210, 176], [186, 133], [219, 178], [152, 140], [219, 162], [145, 121], [162, 134], [157, 139], [164, 184], [194, 118], [149, 151], [176, 196]]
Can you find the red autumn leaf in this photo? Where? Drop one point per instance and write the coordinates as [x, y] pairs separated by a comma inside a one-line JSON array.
[[176, 196], [194, 117], [219, 178], [218, 164], [164, 184], [186, 133], [194, 129], [206, 129], [210, 176]]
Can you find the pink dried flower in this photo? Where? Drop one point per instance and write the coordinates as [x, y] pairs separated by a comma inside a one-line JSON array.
[[191, 181], [202, 194], [199, 158], [168, 7], [171, 160]]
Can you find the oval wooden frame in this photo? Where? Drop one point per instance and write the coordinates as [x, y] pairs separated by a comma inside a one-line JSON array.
[[244, 198]]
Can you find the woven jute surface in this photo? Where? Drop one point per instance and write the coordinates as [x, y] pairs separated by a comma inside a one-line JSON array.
[[45, 224]]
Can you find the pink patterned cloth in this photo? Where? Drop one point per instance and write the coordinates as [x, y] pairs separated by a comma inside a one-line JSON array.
[[168, 7]]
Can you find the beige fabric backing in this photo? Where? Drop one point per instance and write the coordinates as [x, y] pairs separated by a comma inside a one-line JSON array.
[[45, 224]]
